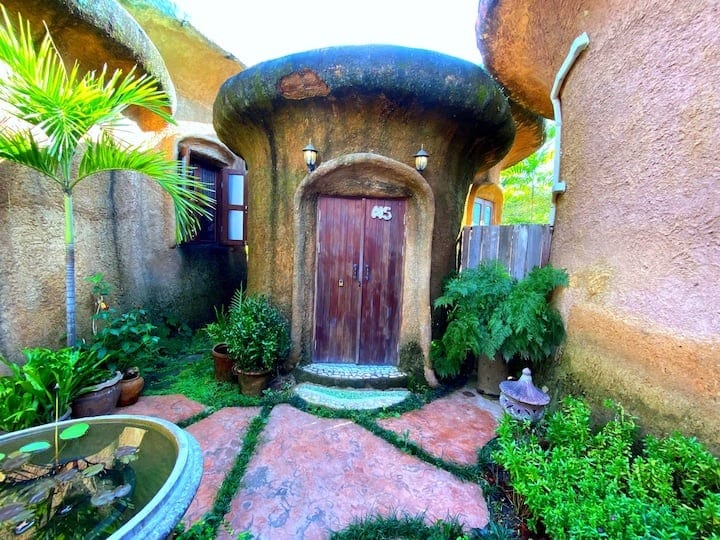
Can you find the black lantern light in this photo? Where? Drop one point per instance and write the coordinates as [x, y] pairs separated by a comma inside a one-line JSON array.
[[421, 159], [310, 155]]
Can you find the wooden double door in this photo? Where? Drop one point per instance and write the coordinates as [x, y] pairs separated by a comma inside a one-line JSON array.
[[359, 276]]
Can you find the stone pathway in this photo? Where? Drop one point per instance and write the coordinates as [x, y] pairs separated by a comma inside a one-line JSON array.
[[310, 476]]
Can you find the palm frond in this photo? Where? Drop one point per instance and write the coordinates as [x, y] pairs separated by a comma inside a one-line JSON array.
[[64, 103], [188, 195], [22, 148]]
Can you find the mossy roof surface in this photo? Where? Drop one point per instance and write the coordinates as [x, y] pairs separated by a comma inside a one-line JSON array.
[[404, 75]]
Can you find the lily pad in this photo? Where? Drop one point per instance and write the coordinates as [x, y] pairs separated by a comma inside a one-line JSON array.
[[75, 431], [37, 446], [2, 456], [92, 470], [126, 454]]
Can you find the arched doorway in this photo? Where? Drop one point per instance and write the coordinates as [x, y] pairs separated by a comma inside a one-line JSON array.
[[363, 235]]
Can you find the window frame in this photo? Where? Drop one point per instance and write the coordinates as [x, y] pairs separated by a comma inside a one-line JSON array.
[[226, 207], [191, 160]]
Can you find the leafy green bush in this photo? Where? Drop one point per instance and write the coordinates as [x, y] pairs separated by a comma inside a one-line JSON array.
[[526, 323], [125, 340], [584, 483], [258, 335], [490, 312], [28, 395]]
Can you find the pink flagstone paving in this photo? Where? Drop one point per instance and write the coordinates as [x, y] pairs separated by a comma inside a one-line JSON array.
[[310, 476], [453, 428], [220, 436], [173, 408]]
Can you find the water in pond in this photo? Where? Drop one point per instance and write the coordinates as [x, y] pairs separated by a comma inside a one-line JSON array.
[[97, 481]]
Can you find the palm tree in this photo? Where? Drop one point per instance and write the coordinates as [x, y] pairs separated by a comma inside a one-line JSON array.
[[67, 118]]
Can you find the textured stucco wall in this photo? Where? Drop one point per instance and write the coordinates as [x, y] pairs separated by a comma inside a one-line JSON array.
[[124, 223], [639, 227]]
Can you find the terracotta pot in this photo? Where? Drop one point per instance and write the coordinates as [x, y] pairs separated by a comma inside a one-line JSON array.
[[252, 384], [223, 364], [130, 390], [100, 399], [490, 373]]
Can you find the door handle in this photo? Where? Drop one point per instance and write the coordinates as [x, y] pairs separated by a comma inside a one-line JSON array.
[[355, 272], [367, 272]]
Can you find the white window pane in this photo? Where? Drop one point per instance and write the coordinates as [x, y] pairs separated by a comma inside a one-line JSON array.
[[488, 215], [235, 225], [236, 189]]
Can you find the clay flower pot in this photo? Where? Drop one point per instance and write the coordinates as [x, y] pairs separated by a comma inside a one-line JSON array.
[[223, 363], [252, 384], [99, 400], [130, 388]]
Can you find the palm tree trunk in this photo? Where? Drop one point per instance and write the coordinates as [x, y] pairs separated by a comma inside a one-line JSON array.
[[69, 271]]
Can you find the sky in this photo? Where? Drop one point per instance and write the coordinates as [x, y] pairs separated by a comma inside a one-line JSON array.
[[260, 30]]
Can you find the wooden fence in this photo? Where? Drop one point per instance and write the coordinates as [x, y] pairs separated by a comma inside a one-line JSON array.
[[519, 248]]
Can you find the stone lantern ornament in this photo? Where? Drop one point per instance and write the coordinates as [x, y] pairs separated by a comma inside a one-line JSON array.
[[521, 399]]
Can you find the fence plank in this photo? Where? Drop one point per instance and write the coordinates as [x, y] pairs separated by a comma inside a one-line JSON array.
[[519, 251], [519, 248], [534, 247]]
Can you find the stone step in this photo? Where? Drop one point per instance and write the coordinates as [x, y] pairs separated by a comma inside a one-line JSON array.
[[352, 375], [349, 398]]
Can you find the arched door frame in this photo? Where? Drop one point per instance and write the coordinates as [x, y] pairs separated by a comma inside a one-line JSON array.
[[365, 175]]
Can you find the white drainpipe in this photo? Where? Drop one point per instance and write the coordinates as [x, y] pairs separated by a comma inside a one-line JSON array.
[[578, 46]]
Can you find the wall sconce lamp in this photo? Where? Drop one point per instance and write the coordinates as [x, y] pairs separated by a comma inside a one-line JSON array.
[[310, 155], [421, 159]]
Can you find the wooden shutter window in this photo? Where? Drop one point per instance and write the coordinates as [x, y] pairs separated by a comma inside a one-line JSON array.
[[233, 211]]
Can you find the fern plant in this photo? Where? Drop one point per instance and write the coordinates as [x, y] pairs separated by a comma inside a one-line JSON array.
[[471, 298], [526, 324], [490, 312], [258, 335]]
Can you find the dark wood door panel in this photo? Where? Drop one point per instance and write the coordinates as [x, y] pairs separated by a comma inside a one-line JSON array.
[[382, 274], [337, 291], [358, 280]]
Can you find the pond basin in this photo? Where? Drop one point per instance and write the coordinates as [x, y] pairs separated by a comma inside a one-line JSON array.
[[160, 477]]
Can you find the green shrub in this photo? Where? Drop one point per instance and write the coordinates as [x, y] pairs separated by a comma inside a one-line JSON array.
[[490, 312], [125, 340], [257, 334], [28, 395], [585, 483]]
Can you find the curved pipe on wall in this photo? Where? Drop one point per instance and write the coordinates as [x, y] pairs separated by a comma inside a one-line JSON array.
[[578, 45]]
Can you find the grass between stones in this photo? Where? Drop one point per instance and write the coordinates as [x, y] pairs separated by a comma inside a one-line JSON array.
[[193, 377]]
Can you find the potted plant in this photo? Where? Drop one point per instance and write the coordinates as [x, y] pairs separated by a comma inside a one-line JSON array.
[[43, 389], [493, 316], [258, 339], [217, 331], [126, 341]]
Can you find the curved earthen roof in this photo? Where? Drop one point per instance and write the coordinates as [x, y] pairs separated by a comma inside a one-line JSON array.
[[517, 49], [94, 34], [416, 82], [529, 135]]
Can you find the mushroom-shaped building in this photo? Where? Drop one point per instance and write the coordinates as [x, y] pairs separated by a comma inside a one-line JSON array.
[[356, 248]]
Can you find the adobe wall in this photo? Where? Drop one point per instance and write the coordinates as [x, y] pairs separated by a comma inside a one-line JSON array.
[[639, 226], [124, 228], [124, 223]]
